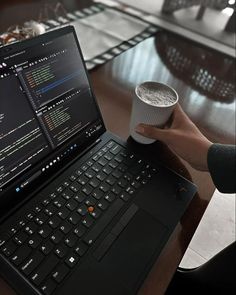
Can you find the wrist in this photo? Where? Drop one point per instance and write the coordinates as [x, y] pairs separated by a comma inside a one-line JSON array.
[[205, 150]]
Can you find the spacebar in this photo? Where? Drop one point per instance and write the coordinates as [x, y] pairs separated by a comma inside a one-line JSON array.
[[103, 222]]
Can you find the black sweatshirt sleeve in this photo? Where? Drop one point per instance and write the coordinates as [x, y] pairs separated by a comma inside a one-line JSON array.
[[222, 166]]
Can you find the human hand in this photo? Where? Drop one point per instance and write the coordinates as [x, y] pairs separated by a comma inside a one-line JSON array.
[[182, 137]]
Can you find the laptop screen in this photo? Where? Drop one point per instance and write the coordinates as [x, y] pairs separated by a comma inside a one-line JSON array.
[[46, 108]]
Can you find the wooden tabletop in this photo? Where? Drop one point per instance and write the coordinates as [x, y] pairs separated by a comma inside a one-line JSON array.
[[204, 80]]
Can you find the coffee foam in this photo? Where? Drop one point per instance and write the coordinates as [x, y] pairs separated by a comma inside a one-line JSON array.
[[156, 94]]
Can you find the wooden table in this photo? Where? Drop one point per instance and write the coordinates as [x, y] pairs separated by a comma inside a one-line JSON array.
[[211, 109]]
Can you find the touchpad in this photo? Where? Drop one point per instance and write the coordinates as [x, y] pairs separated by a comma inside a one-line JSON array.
[[135, 250]]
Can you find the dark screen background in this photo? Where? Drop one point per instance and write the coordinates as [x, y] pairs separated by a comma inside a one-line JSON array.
[[45, 100]]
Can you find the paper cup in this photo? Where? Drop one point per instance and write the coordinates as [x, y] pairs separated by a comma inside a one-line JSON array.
[[147, 113]]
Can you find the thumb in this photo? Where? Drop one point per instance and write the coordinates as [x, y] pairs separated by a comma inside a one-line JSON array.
[[153, 132]]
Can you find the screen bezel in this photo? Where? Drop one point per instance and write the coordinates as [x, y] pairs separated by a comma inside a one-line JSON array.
[[10, 198]]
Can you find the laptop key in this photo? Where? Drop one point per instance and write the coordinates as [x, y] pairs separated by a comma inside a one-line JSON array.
[[122, 168], [9, 248], [63, 213], [45, 231], [96, 167], [83, 179], [123, 182], [54, 221], [48, 287], [44, 269], [113, 164], [85, 167], [90, 201], [130, 190], [71, 240], [108, 170], [125, 196], [110, 144], [74, 218], [117, 174], [135, 184], [102, 161], [59, 202], [46, 201], [65, 227], [108, 156], [3, 238], [56, 237], [82, 210], [110, 197], [80, 230], [66, 183], [115, 149], [46, 247], [71, 205], [94, 182], [90, 173], [90, 162], [103, 204], [31, 228], [110, 180], [103, 222], [41, 218], [105, 187], [20, 238], [30, 215], [21, 254], [96, 213], [50, 210], [79, 197], [60, 188], [75, 187], [72, 260], [61, 251], [53, 195], [67, 194], [60, 272], [119, 158], [128, 176], [73, 177], [101, 176], [116, 189], [97, 194], [87, 221], [34, 241], [37, 209], [81, 248], [87, 189], [32, 262]]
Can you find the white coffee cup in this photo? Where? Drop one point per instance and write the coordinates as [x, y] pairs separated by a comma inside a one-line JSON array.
[[153, 107]]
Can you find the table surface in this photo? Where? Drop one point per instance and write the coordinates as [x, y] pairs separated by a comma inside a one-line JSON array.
[[211, 111]]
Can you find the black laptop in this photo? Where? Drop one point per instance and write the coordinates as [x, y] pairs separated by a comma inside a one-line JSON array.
[[80, 211]]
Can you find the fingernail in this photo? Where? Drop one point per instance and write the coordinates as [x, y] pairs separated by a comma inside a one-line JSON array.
[[139, 129]]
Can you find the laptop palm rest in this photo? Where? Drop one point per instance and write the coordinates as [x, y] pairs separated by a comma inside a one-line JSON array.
[[128, 259]]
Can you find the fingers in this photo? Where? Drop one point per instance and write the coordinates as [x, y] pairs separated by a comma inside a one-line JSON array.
[[153, 132], [179, 113]]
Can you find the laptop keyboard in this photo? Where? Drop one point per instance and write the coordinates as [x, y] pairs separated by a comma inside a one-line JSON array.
[[56, 234]]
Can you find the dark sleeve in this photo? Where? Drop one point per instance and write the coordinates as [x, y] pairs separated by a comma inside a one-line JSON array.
[[222, 166]]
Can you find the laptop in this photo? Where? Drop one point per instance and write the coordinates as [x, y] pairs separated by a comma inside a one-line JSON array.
[[81, 211]]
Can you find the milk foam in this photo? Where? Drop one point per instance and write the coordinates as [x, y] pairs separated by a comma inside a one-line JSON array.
[[156, 94]]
